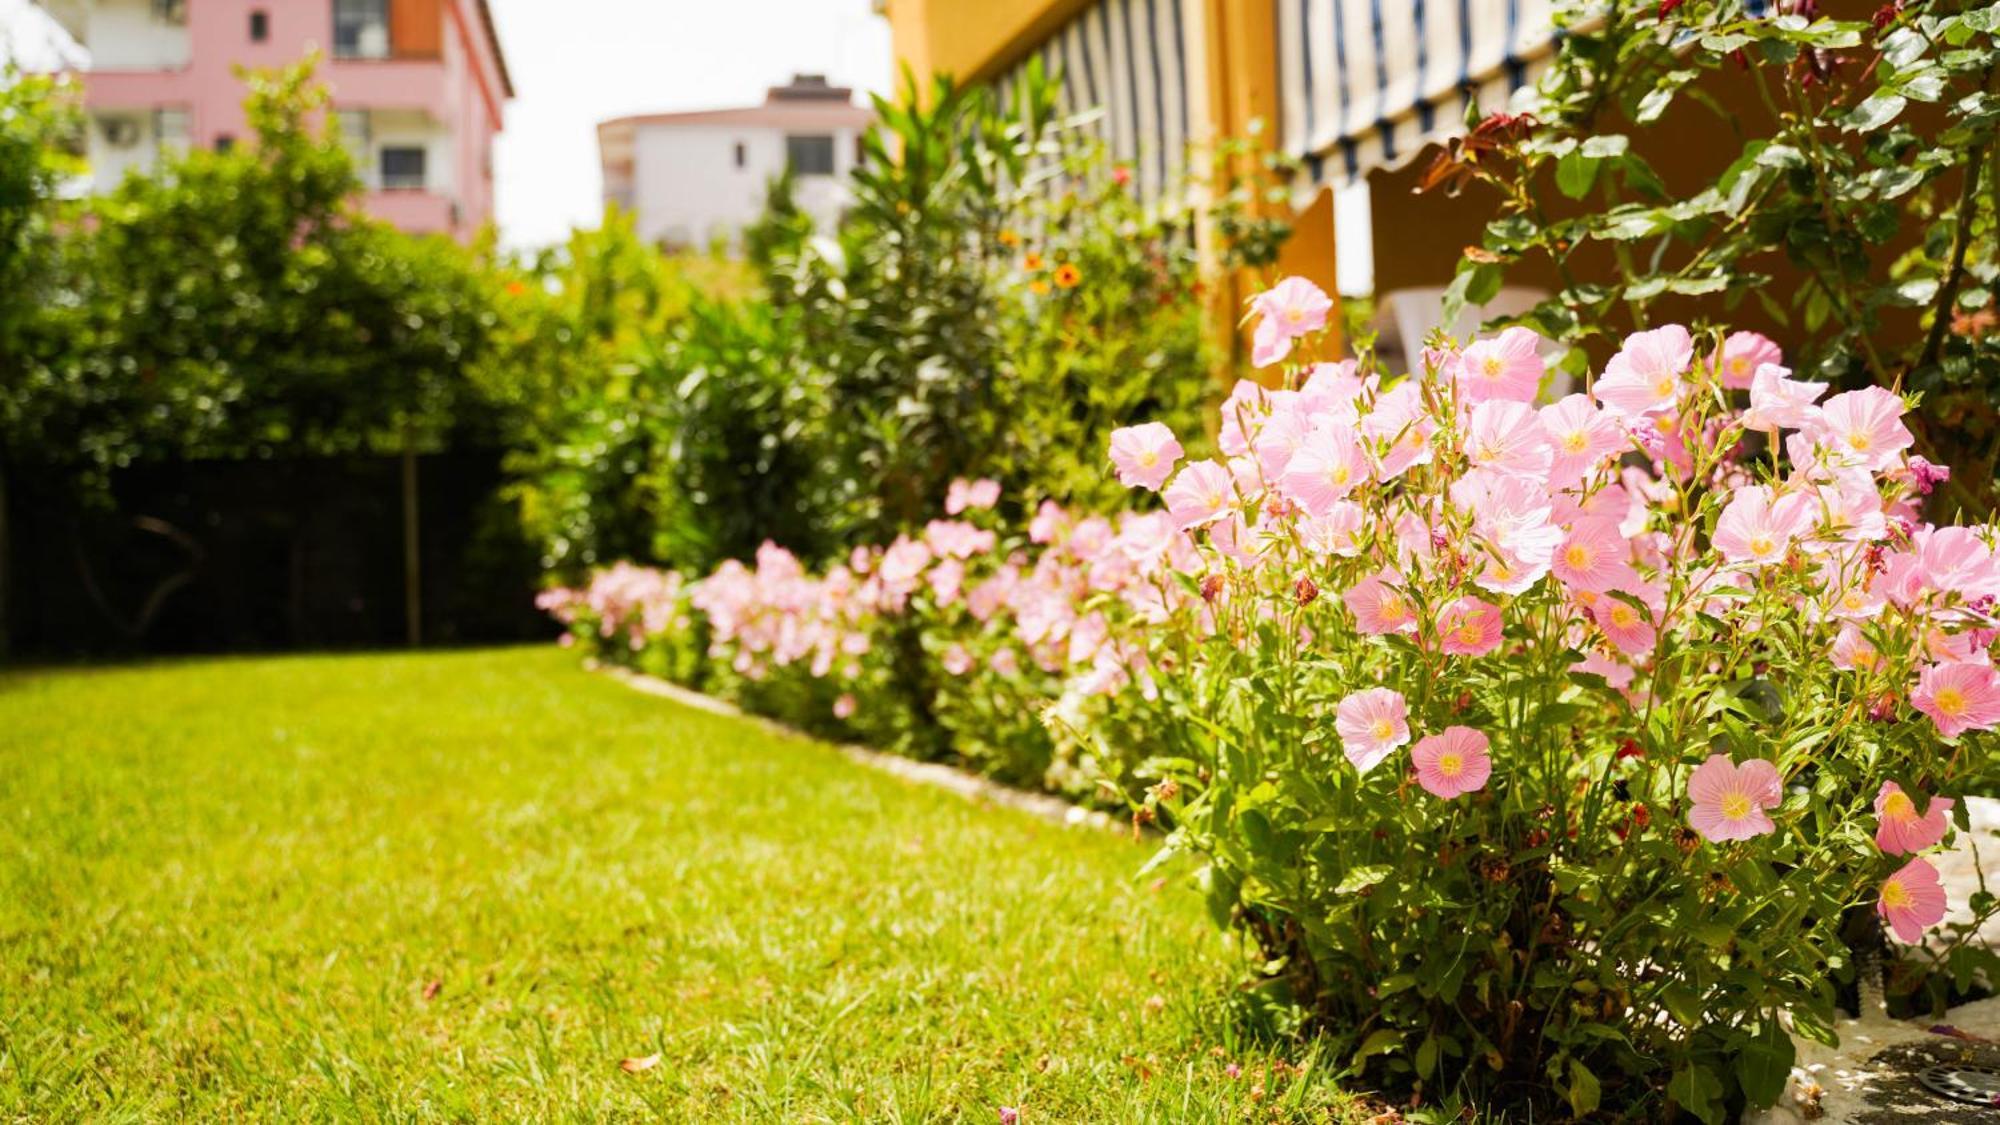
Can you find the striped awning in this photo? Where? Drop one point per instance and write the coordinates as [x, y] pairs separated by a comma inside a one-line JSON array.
[[1365, 84], [1128, 60]]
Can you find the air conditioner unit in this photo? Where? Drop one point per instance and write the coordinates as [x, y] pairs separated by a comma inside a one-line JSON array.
[[121, 132]]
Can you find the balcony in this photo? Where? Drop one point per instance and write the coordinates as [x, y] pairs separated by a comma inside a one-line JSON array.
[[419, 212]]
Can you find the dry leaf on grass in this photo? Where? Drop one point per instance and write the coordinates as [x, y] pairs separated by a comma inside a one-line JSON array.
[[634, 1066]]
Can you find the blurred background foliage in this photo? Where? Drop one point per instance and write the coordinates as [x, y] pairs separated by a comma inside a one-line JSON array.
[[992, 304]]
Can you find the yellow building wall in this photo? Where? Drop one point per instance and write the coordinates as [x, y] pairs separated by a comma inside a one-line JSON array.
[[1233, 82]]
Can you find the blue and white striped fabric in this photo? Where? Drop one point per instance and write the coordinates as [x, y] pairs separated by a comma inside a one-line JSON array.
[[1127, 59], [1365, 84]]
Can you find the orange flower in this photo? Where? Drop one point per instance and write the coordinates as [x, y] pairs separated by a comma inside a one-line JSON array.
[[1038, 287], [1009, 238], [1067, 276], [1032, 261]]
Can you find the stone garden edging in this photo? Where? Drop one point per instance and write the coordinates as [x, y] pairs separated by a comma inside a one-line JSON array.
[[971, 786]]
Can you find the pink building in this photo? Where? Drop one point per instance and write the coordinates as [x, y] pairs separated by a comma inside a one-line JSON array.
[[419, 86]]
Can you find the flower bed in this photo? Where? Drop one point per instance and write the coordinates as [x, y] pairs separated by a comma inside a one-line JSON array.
[[1575, 753]]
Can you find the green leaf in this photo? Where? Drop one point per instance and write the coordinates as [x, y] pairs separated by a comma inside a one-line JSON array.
[[1765, 1062], [1575, 173], [1584, 1091], [1360, 877], [1874, 112], [1696, 1090], [1379, 1042]]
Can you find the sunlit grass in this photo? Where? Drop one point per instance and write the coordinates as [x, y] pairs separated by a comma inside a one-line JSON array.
[[466, 886]]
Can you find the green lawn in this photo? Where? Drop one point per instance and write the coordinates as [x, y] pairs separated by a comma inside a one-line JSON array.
[[465, 886]]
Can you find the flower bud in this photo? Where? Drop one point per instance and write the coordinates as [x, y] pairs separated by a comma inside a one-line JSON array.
[[1306, 590]]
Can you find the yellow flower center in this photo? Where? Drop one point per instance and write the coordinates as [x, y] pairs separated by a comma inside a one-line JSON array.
[[1450, 765], [1577, 556], [1576, 441], [1393, 608], [1895, 895], [1340, 474], [1898, 806], [1383, 729], [1623, 616], [1663, 386], [1950, 701], [1491, 367], [1469, 633], [1736, 806], [1858, 441], [1761, 545], [1149, 457]]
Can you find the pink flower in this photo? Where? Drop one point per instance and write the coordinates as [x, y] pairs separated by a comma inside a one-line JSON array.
[[1582, 436], [1958, 696], [1372, 723], [1509, 366], [1729, 800], [1199, 495], [1645, 375], [975, 496], [1288, 310], [1757, 529], [845, 706], [1008, 1114], [1630, 629], [1144, 455], [1594, 558], [1378, 607], [1956, 560], [1453, 763], [1912, 901], [1851, 650], [1864, 428], [1777, 401], [1469, 627], [1326, 469], [1508, 437], [1399, 430], [1742, 354], [1926, 475], [1898, 828]]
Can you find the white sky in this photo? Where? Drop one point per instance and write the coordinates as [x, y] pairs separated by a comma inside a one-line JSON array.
[[577, 62]]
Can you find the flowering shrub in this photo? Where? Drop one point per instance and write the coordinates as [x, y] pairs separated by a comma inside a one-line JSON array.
[[1576, 752], [1572, 747]]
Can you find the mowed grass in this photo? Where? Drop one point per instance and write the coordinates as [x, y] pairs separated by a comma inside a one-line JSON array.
[[465, 886]]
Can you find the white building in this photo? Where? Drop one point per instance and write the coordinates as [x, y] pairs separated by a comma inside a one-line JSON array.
[[692, 178]]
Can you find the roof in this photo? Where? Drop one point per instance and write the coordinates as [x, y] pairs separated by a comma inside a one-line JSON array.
[[788, 115]]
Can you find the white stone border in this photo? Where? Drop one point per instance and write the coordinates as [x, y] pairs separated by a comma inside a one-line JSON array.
[[971, 786]]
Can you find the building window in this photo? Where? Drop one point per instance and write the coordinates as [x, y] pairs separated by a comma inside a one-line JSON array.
[[225, 143], [260, 26], [170, 129], [742, 154], [810, 156], [361, 29], [170, 11], [402, 168]]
